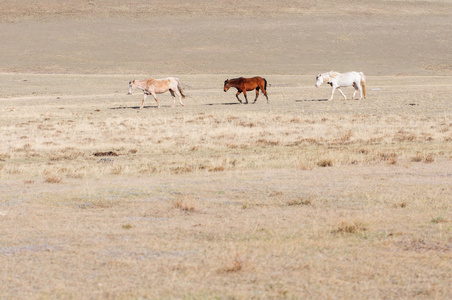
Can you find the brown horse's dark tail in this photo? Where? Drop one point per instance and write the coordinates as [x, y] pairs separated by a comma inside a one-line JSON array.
[[265, 89]]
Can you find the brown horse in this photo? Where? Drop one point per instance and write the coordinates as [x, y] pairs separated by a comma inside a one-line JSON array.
[[247, 84]]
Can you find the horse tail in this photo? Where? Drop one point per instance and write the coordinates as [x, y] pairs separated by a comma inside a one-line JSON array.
[[363, 84], [265, 84], [179, 87]]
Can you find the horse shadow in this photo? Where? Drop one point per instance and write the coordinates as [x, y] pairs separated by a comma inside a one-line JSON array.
[[136, 107], [312, 100], [227, 103]]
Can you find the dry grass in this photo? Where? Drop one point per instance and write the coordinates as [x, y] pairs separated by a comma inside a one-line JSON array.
[[426, 158], [300, 201], [185, 204], [353, 227], [325, 163], [241, 195], [239, 264]]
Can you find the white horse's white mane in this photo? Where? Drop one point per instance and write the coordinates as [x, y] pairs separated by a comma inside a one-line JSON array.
[[333, 73]]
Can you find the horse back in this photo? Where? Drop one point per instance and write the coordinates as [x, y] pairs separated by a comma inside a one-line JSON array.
[[160, 85], [255, 83]]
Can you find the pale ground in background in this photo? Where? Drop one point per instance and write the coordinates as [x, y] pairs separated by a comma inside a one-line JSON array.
[[302, 198]]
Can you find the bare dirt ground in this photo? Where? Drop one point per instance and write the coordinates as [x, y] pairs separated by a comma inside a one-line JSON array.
[[301, 198]]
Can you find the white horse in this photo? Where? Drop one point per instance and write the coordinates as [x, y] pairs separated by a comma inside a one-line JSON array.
[[338, 80], [158, 86]]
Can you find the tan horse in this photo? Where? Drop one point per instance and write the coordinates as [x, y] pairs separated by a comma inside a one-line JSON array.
[[247, 84], [158, 86]]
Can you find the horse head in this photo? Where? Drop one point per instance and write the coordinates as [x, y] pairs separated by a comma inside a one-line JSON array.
[[318, 80], [227, 85], [131, 86]]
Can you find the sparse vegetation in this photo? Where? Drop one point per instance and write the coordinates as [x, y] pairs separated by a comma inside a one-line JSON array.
[[185, 204], [300, 201], [402, 204], [52, 178], [208, 180], [350, 227], [325, 163], [126, 226], [240, 263], [438, 220]]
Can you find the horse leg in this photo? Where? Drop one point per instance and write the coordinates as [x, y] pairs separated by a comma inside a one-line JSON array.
[[180, 97], [265, 93], [340, 91], [174, 98], [142, 103], [332, 92], [257, 95], [237, 96], [156, 99], [360, 91], [355, 89], [246, 99]]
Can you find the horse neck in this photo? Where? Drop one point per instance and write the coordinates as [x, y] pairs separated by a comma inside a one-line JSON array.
[[234, 80], [326, 77], [141, 84], [333, 74], [330, 75]]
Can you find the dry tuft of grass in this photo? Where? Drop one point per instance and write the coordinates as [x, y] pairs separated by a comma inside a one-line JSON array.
[[51, 178], [239, 264], [107, 153], [353, 227], [390, 157], [300, 201], [325, 163], [126, 226], [426, 158], [404, 136], [216, 169], [438, 220], [185, 204], [306, 166], [402, 204], [182, 169], [118, 169]]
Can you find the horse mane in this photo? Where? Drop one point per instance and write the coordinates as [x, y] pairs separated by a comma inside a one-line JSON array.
[[333, 73], [233, 80]]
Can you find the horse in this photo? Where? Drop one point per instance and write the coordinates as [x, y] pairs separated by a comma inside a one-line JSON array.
[[244, 85], [158, 86], [338, 80]]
